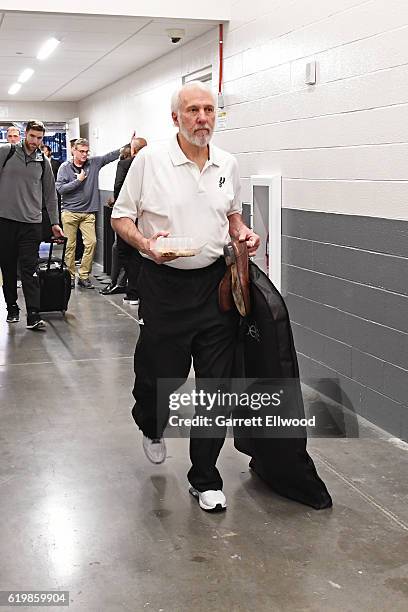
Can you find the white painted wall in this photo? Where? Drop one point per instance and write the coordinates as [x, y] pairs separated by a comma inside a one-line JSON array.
[[341, 145], [11, 110]]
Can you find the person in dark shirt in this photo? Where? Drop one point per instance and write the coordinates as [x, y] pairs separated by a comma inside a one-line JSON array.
[[125, 257], [55, 163]]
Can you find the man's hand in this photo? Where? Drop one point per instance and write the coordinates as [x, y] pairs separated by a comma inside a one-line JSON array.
[[252, 240], [57, 231], [242, 233], [150, 249], [133, 144], [81, 176]]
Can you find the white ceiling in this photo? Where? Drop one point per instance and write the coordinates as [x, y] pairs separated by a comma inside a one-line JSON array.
[[94, 51]]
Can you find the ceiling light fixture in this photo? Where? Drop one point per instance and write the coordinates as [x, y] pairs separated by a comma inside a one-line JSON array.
[[48, 47], [25, 75], [14, 89]]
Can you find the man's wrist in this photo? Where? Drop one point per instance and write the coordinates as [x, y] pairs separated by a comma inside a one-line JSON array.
[[146, 246], [236, 231]]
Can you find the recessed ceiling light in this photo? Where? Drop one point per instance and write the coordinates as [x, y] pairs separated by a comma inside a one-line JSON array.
[[25, 75], [14, 89], [48, 47]]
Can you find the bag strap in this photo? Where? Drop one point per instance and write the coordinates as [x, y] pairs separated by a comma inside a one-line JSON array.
[[240, 277], [234, 287], [9, 154]]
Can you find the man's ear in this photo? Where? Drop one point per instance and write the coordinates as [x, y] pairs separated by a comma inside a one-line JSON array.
[[175, 119]]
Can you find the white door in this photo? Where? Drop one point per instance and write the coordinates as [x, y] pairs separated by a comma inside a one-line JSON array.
[[72, 132]]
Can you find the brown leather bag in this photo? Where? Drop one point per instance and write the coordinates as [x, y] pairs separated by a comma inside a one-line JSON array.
[[234, 286]]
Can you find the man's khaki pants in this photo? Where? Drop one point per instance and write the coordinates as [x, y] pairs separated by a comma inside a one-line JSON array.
[[85, 222]]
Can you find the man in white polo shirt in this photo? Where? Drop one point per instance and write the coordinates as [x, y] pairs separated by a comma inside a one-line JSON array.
[[190, 188]]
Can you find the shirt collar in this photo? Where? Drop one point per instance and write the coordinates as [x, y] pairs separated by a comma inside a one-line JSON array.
[[178, 157], [74, 166]]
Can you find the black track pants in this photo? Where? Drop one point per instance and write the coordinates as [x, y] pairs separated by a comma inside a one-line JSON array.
[[20, 241], [182, 323]]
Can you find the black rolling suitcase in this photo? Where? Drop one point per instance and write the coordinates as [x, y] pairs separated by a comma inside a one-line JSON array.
[[55, 280]]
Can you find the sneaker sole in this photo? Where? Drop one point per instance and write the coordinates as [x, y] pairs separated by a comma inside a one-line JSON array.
[[12, 320], [38, 325], [217, 508], [154, 462]]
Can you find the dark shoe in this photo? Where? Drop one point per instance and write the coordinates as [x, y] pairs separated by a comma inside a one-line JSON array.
[[113, 289], [72, 283], [13, 314], [85, 283], [34, 321]]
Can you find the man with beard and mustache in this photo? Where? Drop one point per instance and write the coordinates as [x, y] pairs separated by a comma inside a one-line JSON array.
[[191, 188], [26, 186]]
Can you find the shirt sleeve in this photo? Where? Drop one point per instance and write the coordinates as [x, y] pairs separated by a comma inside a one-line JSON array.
[[4, 151], [236, 205], [49, 194], [64, 184], [128, 203], [102, 160], [121, 172]]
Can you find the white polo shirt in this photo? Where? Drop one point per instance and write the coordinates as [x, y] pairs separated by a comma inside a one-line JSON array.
[[165, 191]]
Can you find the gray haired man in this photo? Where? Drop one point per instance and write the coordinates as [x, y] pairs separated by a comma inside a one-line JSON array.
[[77, 183], [186, 187]]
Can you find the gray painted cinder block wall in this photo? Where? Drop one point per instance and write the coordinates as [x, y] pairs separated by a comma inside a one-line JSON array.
[[345, 281]]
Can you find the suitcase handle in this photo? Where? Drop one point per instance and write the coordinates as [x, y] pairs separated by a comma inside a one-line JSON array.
[[61, 240]]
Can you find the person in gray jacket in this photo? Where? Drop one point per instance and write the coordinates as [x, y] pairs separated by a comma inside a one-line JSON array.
[[26, 184], [77, 182]]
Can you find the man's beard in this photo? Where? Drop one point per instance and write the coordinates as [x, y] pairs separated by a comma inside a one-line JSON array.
[[195, 139]]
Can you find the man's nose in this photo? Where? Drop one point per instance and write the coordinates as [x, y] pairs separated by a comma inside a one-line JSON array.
[[202, 117]]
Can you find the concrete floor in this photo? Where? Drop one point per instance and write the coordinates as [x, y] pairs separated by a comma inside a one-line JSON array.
[[82, 509]]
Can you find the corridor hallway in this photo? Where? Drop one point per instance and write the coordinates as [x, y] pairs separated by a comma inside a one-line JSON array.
[[82, 510]]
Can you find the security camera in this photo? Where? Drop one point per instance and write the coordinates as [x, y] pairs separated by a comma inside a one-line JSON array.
[[176, 35]]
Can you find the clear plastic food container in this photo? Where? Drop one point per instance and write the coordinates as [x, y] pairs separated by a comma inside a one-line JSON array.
[[178, 246]]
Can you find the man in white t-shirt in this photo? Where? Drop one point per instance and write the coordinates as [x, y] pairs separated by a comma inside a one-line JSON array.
[[187, 187]]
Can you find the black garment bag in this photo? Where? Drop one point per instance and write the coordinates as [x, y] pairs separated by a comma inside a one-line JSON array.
[[266, 351]]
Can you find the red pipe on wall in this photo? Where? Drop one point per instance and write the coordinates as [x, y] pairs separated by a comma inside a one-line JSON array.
[[221, 56]]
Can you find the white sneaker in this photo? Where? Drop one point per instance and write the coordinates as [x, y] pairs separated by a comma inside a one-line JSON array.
[[155, 450], [210, 501], [131, 301], [140, 321]]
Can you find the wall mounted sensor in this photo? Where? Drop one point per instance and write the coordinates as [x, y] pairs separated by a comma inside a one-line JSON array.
[[310, 73]]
